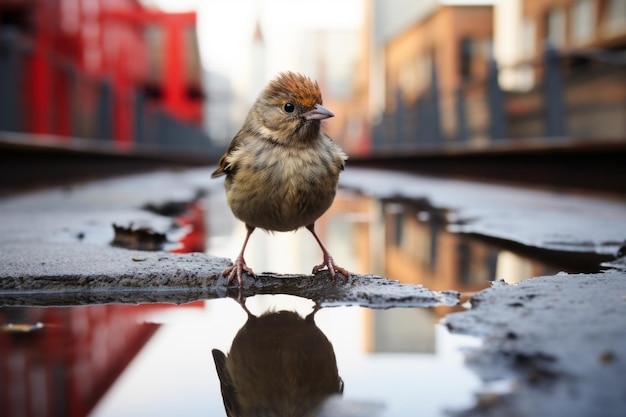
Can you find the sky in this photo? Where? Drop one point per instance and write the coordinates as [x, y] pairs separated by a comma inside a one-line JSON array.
[[225, 29]]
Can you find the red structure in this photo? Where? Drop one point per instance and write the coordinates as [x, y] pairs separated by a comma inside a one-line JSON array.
[[86, 65], [61, 361]]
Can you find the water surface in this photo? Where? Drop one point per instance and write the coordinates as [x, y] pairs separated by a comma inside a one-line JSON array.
[[156, 359]]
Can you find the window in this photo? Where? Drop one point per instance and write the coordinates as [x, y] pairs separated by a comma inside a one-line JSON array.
[[615, 16], [70, 15], [527, 38], [408, 78], [556, 27], [474, 56], [466, 58], [583, 21]]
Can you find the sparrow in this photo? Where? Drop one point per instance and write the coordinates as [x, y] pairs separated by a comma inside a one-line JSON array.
[[281, 170], [279, 364]]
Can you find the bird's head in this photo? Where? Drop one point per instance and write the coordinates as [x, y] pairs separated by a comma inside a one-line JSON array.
[[289, 109]]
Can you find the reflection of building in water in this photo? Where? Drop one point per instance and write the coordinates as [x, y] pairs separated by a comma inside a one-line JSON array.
[[410, 242], [410, 330], [61, 361], [419, 249]]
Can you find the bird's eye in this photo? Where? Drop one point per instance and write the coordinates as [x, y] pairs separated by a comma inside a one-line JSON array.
[[289, 107]]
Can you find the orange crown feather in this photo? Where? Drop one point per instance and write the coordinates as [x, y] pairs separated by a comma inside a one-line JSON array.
[[304, 90]]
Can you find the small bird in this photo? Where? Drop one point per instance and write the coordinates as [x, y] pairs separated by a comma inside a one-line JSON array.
[[279, 364], [281, 170]]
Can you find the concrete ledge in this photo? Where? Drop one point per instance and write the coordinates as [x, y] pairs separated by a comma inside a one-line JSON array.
[[74, 273]]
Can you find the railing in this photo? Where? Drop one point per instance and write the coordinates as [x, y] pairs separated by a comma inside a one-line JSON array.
[[80, 106], [580, 95]]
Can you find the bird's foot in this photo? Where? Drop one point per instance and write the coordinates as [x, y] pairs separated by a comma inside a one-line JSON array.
[[239, 266], [332, 267]]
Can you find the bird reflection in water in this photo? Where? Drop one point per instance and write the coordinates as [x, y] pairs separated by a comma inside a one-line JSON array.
[[279, 364]]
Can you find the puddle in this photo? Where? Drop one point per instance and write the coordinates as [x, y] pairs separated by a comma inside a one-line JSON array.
[[406, 241], [156, 359]]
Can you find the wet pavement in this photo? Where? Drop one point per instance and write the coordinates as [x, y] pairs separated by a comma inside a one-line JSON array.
[[547, 343], [546, 219]]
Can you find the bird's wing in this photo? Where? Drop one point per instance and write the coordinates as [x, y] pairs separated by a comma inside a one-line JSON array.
[[340, 155], [224, 167], [221, 169]]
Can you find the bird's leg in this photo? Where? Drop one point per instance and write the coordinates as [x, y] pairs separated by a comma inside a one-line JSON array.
[[241, 300], [328, 260], [240, 264]]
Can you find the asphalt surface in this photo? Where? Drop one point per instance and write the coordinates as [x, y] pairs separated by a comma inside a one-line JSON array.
[[552, 345], [557, 343], [552, 220]]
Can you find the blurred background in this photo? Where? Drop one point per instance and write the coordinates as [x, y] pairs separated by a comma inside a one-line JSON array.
[[163, 79]]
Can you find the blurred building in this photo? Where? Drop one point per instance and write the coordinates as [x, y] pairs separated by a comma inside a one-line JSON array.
[[587, 38], [456, 40], [572, 24], [258, 56], [332, 66], [522, 27], [437, 72], [219, 120], [89, 68]]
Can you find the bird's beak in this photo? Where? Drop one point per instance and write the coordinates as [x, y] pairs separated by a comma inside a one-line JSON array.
[[318, 113]]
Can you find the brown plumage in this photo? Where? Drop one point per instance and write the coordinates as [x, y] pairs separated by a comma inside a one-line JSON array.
[[281, 169]]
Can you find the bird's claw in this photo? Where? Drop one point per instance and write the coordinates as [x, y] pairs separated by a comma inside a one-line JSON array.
[[239, 266], [332, 268]]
